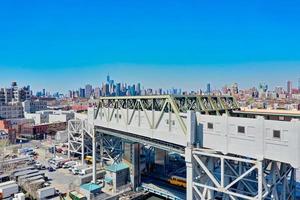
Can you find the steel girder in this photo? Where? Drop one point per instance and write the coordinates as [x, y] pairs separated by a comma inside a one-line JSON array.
[[205, 104], [231, 177], [112, 148], [177, 105], [75, 136], [80, 140]]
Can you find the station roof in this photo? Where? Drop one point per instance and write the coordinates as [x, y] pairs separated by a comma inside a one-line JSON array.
[[90, 187], [117, 167], [290, 113]]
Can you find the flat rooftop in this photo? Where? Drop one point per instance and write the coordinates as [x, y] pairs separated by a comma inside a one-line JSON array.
[[292, 113]]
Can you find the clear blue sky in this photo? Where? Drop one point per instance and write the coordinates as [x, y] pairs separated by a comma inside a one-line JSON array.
[[60, 44]]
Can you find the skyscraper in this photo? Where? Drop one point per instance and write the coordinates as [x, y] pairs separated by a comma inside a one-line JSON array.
[[105, 89], [81, 92], [88, 90], [289, 87], [299, 84], [208, 91], [118, 89], [138, 89], [97, 92], [108, 79]]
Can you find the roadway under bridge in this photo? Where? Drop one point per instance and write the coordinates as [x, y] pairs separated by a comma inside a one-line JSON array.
[[226, 157]]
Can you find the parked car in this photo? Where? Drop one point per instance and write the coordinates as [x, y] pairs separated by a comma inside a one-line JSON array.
[[51, 169], [31, 162], [51, 149], [38, 165], [59, 150], [47, 184]]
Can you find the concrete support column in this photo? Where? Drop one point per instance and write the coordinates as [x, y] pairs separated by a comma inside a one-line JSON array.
[[190, 140], [69, 141], [82, 143], [94, 156], [189, 173], [260, 179], [161, 161], [101, 150], [136, 165]]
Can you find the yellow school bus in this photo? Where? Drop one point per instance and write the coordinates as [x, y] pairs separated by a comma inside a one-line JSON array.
[[178, 181]]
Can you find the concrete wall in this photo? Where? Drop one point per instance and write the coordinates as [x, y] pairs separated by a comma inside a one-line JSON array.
[[257, 141], [168, 128], [57, 118]]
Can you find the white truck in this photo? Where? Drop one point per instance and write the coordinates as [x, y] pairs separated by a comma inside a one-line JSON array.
[[19, 196], [77, 169], [9, 190], [69, 164], [45, 192], [85, 171]]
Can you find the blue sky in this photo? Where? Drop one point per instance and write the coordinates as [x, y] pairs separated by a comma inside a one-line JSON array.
[[60, 44]]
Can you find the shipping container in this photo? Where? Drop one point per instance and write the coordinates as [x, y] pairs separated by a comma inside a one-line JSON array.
[[9, 190], [45, 192]]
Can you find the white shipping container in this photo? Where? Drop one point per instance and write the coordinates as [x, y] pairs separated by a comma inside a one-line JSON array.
[[7, 183], [9, 190], [45, 192], [20, 196]]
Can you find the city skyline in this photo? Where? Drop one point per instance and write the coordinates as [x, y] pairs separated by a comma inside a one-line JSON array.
[[248, 76], [177, 44], [114, 87]]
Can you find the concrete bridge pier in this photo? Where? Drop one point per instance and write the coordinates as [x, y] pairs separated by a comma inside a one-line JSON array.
[[132, 156], [161, 161]]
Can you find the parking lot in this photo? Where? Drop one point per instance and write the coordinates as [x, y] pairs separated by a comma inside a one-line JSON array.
[[61, 179]]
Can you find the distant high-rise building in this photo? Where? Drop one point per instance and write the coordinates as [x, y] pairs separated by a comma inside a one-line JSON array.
[[118, 89], [88, 90], [70, 94], [289, 87], [138, 89], [299, 84], [208, 90], [82, 93], [97, 92], [108, 79], [105, 90], [235, 88], [160, 91]]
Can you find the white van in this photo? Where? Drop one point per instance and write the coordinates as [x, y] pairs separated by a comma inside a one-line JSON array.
[[69, 164], [85, 171]]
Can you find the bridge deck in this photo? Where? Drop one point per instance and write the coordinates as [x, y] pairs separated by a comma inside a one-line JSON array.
[[254, 138]]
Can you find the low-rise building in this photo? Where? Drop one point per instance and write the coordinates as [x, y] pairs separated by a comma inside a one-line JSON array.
[[10, 111], [50, 116], [117, 175], [31, 106], [7, 131]]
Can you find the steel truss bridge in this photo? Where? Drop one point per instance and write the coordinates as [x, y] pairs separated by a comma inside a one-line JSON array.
[[226, 157]]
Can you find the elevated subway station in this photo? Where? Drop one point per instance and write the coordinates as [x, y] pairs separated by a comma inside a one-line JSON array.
[[226, 157]]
